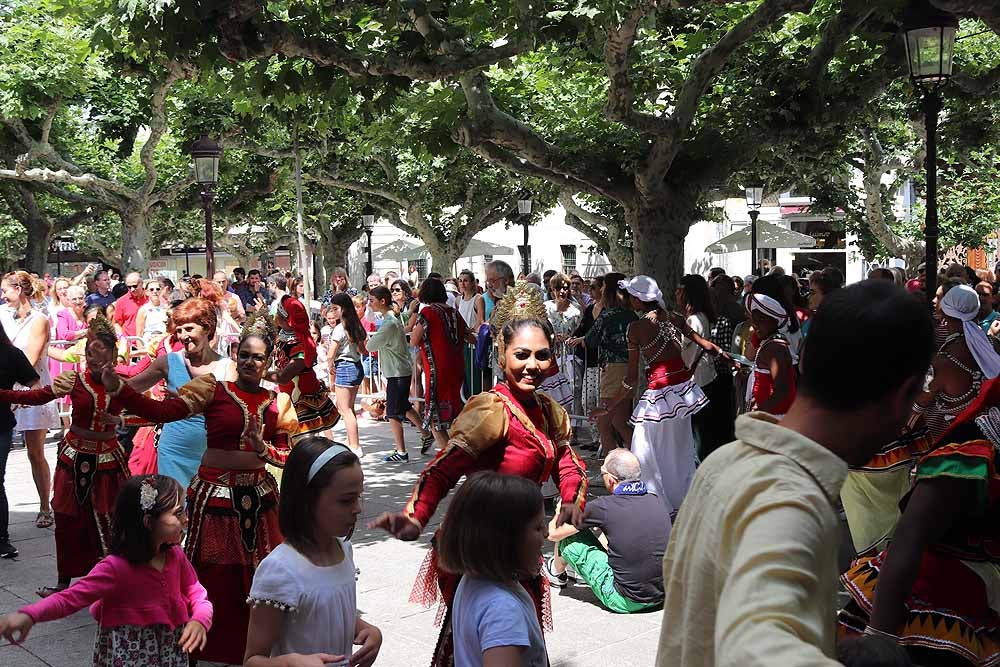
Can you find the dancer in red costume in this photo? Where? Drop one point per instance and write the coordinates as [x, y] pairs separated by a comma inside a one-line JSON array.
[[294, 361], [91, 466], [512, 430], [233, 500]]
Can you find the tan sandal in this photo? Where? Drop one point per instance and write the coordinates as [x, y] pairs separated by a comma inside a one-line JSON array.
[[44, 519]]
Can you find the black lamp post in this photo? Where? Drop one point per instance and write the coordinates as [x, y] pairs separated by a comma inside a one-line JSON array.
[[368, 224], [755, 197], [206, 154], [524, 211], [930, 45]]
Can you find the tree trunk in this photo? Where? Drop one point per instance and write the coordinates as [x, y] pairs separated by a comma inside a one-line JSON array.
[[136, 239], [620, 256], [36, 247], [334, 250], [443, 259], [658, 238]]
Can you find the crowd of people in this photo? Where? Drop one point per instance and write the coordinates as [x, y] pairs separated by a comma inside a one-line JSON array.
[[732, 422]]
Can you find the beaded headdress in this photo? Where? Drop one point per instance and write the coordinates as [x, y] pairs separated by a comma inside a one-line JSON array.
[[523, 301], [99, 324], [258, 324]]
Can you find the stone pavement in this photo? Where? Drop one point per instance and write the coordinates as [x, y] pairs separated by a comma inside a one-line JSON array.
[[584, 632]]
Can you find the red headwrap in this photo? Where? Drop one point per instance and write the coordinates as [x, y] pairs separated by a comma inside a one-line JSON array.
[[298, 320]]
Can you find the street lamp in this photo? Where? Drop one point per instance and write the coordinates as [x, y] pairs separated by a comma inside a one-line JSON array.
[[206, 154], [755, 197], [368, 224], [930, 44], [524, 211]]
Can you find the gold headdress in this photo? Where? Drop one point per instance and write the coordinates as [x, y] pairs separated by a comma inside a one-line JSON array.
[[99, 324], [523, 301], [259, 324]]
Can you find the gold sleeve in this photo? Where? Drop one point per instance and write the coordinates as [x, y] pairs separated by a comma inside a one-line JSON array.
[[561, 430], [288, 421], [198, 393], [63, 384], [480, 425]]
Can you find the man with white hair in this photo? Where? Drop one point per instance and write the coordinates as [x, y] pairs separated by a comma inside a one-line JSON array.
[[625, 571], [232, 303], [499, 277]]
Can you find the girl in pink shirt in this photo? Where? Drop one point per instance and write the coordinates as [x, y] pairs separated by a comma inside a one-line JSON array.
[[151, 609]]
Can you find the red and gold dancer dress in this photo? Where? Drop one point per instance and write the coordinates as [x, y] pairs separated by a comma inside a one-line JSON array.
[[495, 432], [91, 468], [233, 514], [315, 410], [952, 608], [761, 387], [443, 355]]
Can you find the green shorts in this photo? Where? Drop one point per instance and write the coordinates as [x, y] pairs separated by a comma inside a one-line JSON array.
[[590, 561]]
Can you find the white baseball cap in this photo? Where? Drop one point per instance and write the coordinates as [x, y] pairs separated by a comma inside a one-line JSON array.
[[643, 288]]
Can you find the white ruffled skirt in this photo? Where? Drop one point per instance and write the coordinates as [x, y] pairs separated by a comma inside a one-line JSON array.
[[663, 440]]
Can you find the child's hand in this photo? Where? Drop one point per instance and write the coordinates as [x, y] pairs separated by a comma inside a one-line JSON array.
[[312, 660], [17, 623], [370, 639], [194, 637]]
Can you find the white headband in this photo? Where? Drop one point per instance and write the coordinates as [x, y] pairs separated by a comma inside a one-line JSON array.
[[770, 307], [324, 458]]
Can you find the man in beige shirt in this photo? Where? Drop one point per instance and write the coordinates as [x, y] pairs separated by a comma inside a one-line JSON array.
[[750, 572]]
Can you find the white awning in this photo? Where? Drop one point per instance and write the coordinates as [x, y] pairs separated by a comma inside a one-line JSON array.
[[769, 235]]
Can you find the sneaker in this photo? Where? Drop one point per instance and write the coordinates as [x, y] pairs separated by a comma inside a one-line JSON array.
[[557, 580], [397, 457], [426, 442], [7, 550]]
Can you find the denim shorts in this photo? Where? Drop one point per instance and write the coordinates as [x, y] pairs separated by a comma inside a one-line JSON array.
[[349, 374], [370, 365]]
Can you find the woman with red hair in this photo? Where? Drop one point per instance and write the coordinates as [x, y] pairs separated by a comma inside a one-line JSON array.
[[295, 356], [181, 444]]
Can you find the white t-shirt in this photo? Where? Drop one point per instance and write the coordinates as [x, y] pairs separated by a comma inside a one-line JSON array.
[[321, 601], [487, 614], [705, 372]]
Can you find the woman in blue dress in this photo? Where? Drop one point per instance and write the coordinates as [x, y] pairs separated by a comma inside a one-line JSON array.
[[181, 444]]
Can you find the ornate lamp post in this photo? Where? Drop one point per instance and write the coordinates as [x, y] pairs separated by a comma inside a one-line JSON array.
[[755, 197], [524, 211], [206, 154], [368, 224], [930, 45]]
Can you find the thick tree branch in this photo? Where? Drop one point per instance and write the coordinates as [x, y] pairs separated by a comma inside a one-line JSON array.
[[705, 67], [157, 125], [837, 30], [980, 85], [356, 186], [88, 182], [987, 10], [265, 185], [252, 40], [50, 116], [620, 106]]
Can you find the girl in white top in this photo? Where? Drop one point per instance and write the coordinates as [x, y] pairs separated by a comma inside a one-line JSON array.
[[493, 535], [151, 320], [29, 331], [470, 303], [303, 597]]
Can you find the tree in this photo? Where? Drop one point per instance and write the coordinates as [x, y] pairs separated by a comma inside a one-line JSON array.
[[56, 83]]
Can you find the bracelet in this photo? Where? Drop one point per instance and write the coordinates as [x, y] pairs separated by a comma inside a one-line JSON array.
[[872, 632]]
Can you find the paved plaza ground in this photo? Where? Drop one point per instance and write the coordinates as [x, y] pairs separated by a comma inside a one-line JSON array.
[[584, 632]]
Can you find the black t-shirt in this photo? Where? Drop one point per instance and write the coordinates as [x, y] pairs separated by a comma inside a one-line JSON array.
[[637, 528], [14, 369]]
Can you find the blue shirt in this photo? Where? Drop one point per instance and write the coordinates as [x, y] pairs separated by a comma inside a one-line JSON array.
[[96, 298]]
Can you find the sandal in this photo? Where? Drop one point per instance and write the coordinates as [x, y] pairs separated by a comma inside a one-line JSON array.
[[44, 519], [46, 591]]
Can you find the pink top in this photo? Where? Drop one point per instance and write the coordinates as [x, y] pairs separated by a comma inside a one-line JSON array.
[[121, 593]]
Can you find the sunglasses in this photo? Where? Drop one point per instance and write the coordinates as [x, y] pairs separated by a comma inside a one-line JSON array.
[[396, 289], [133, 286]]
